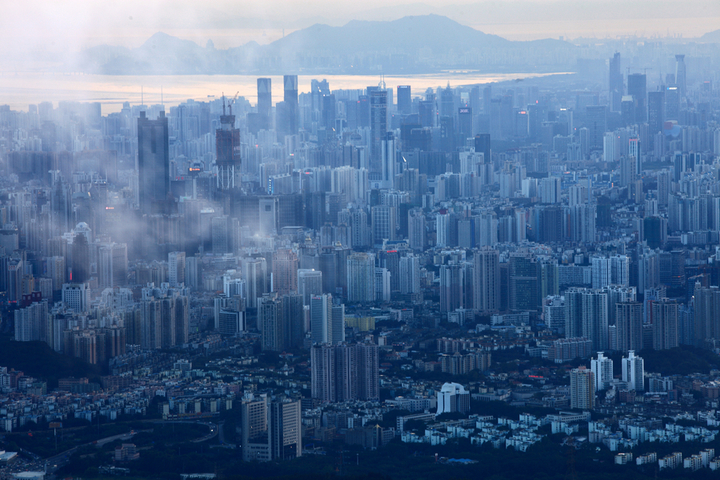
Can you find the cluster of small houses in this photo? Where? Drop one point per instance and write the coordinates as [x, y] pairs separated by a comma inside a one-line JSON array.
[[522, 433], [705, 459], [501, 433]]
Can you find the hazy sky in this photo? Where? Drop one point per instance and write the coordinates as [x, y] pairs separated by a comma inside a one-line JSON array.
[[36, 30]]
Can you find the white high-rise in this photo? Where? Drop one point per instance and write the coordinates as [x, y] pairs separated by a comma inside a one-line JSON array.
[[602, 368], [633, 371]]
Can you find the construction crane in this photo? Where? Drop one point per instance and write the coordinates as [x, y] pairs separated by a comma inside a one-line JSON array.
[[230, 103]]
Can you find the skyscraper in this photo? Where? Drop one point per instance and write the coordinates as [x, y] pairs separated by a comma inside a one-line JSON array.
[[637, 87], [321, 325], [227, 151], [153, 164], [176, 268], [486, 283], [404, 100], [617, 86], [291, 111], [309, 283], [264, 102], [361, 277], [378, 132], [595, 120], [681, 74]]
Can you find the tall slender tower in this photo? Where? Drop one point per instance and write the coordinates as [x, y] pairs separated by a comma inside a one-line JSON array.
[[227, 148], [617, 87], [680, 74], [378, 132]]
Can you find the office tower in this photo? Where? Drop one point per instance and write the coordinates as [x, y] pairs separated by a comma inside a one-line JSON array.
[[681, 74], [290, 106], [637, 87], [672, 103], [483, 145], [523, 282], [255, 434], [255, 275], [309, 283], [633, 372], [602, 369], [321, 325], [272, 323], [486, 263], [665, 324], [452, 398], [293, 320], [285, 270], [629, 326], [582, 389], [285, 430], [378, 132], [227, 151], [404, 100], [153, 164], [452, 280], [361, 277], [617, 86], [595, 121], [409, 275], [707, 314], [176, 268], [656, 112], [264, 102]]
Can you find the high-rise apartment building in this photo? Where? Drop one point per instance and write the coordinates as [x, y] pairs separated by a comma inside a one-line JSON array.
[[602, 369], [633, 372], [582, 389]]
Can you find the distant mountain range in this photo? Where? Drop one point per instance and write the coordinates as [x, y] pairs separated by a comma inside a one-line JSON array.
[[419, 44]]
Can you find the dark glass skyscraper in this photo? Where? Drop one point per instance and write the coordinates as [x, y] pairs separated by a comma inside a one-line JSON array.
[[153, 164], [637, 87], [404, 100]]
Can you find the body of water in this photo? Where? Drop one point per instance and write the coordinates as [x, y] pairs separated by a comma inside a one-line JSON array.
[[22, 89]]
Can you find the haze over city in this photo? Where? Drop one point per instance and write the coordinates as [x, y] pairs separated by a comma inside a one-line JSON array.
[[385, 239]]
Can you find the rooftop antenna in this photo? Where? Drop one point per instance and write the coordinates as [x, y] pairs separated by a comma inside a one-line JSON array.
[[142, 101], [223, 102], [161, 98]]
